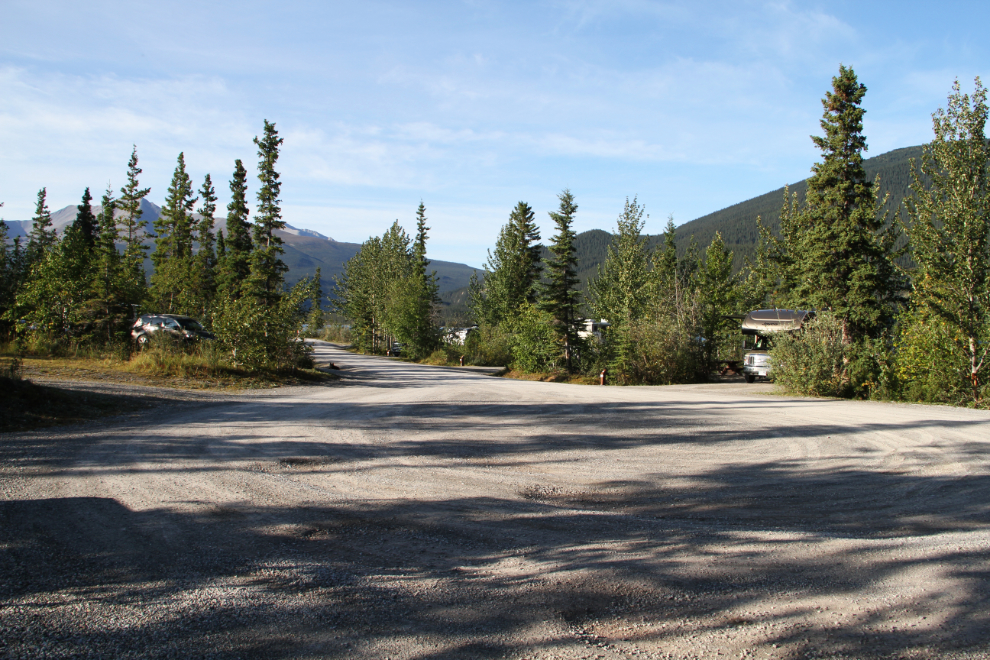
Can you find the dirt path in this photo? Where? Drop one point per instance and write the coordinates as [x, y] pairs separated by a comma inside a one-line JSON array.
[[415, 512]]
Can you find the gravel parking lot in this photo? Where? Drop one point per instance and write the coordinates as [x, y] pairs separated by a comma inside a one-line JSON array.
[[416, 512]]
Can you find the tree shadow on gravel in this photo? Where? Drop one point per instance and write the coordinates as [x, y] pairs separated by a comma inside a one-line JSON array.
[[472, 577]]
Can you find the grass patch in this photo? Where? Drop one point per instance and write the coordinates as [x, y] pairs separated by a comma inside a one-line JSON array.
[[552, 377]]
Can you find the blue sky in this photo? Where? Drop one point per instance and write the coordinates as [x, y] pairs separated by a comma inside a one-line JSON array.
[[470, 106]]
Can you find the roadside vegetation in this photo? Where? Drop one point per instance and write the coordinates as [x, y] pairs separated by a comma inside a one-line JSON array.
[[67, 303], [901, 287]]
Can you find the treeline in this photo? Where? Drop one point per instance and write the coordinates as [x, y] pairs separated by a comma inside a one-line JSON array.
[[903, 303], [85, 287]]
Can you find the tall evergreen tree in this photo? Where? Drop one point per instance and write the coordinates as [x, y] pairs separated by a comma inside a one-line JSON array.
[[559, 296], [424, 296], [842, 253], [89, 229], [620, 291], [204, 268], [171, 288], [267, 268], [718, 291], [512, 272], [131, 228], [663, 283], [950, 229], [43, 236], [109, 284], [235, 267]]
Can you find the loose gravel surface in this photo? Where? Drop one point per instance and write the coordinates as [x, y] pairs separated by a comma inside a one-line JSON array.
[[416, 512]]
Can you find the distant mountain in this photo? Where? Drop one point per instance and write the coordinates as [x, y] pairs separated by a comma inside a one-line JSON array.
[[305, 249]]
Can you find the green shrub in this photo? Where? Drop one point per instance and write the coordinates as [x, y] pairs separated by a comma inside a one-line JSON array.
[[931, 362], [811, 362], [489, 346], [662, 354], [534, 343], [259, 336]]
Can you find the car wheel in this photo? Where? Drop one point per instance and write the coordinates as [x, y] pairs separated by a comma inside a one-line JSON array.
[[142, 341], [750, 378]]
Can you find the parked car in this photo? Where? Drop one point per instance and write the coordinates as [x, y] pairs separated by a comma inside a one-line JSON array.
[[184, 328]]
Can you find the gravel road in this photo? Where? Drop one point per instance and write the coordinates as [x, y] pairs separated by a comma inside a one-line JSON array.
[[419, 512]]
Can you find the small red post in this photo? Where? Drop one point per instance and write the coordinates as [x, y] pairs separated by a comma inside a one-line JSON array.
[[604, 374], [462, 360]]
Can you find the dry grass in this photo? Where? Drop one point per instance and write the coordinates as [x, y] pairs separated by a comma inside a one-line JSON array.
[[553, 377]]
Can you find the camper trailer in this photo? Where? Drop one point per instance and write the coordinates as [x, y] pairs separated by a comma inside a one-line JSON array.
[[759, 328]]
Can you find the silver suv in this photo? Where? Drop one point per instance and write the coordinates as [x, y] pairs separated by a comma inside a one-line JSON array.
[[185, 328]]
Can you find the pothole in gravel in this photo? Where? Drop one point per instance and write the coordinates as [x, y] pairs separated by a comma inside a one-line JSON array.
[[305, 461]]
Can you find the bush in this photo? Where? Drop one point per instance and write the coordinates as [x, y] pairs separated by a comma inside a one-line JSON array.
[[535, 346], [931, 362], [488, 346], [812, 362], [662, 354], [260, 336]]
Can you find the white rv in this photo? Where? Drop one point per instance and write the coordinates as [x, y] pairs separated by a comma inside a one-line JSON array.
[[758, 328]]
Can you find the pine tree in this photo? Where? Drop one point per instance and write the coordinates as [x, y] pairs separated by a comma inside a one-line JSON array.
[[235, 266], [512, 272], [89, 229], [842, 254], [204, 268], [662, 287], [78, 242], [131, 229], [109, 285], [42, 237], [718, 291], [620, 291], [267, 269], [171, 288], [950, 229], [424, 293], [559, 296]]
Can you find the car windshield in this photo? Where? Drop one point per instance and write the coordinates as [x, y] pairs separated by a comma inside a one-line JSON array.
[[191, 324], [762, 343]]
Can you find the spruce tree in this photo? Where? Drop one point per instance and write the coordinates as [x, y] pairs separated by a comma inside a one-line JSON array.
[[204, 269], [620, 291], [89, 229], [559, 295], [235, 267], [843, 256], [131, 230], [950, 231], [424, 290], [171, 288], [512, 272], [718, 291], [267, 269], [108, 286], [43, 236]]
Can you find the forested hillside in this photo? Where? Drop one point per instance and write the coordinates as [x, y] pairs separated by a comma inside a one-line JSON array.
[[737, 223]]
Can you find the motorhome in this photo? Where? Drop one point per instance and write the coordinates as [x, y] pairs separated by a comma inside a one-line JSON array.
[[758, 329]]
